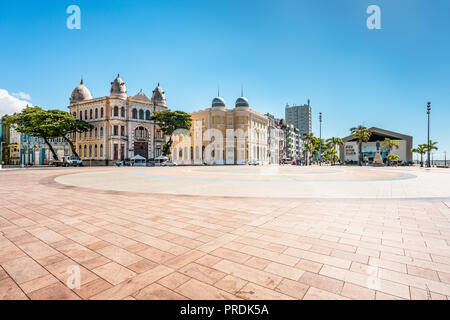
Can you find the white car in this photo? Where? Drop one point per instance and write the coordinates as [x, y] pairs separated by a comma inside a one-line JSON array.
[[168, 164], [74, 161], [254, 163]]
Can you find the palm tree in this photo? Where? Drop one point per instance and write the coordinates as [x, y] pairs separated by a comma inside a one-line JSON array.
[[315, 147], [431, 146], [391, 144], [362, 134], [307, 138], [421, 149], [335, 142]]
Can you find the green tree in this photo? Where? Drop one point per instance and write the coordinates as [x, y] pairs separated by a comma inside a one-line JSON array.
[[361, 134], [393, 158], [69, 126], [335, 142], [35, 122], [421, 149], [48, 124], [308, 146], [430, 147], [169, 121], [391, 144]]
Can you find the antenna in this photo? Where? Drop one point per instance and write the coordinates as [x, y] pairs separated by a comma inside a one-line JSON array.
[[242, 90]]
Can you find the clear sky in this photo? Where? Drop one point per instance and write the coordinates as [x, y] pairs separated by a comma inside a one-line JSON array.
[[282, 51]]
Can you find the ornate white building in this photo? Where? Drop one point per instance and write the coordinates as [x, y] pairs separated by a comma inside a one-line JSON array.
[[122, 125]]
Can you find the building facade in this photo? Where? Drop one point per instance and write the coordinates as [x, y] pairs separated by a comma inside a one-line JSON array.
[[293, 143], [122, 125], [350, 151], [300, 117], [277, 139], [224, 136]]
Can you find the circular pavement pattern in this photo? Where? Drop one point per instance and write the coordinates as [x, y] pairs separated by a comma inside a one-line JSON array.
[[269, 181]]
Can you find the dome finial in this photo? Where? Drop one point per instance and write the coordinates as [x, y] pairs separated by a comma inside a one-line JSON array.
[[218, 90], [242, 90], [81, 82]]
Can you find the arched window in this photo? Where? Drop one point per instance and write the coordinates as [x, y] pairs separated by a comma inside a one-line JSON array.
[[141, 133], [95, 132], [134, 114], [85, 115], [180, 154], [95, 151], [141, 114], [101, 150], [90, 114], [101, 112], [122, 112], [75, 115], [79, 151], [96, 113], [81, 115], [101, 131], [85, 151], [147, 115], [116, 111], [90, 151]]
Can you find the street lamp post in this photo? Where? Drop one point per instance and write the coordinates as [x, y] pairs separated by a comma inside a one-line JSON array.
[[320, 138], [428, 143], [445, 158]]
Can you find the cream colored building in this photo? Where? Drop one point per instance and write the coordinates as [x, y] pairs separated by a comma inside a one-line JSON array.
[[122, 125], [224, 136]]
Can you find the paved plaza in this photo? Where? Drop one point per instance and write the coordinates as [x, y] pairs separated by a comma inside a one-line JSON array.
[[229, 232]]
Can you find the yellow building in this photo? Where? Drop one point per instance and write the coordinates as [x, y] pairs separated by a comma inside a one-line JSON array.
[[224, 136]]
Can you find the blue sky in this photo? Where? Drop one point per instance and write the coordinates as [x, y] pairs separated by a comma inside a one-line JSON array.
[[281, 52]]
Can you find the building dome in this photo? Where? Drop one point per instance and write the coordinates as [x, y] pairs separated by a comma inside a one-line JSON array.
[[218, 102], [118, 88], [80, 93], [242, 102], [159, 97]]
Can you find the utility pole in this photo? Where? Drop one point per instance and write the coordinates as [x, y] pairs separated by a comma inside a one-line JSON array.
[[428, 143], [320, 139]]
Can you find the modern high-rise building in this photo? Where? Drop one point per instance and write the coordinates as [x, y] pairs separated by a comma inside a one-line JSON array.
[[300, 117]]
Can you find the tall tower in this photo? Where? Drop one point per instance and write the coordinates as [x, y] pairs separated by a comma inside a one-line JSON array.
[[300, 117]]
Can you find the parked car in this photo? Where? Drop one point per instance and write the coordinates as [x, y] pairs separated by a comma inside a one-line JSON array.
[[74, 161], [254, 163], [168, 164]]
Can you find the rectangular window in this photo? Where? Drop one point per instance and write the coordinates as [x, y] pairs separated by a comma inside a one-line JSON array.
[[116, 130], [122, 131]]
